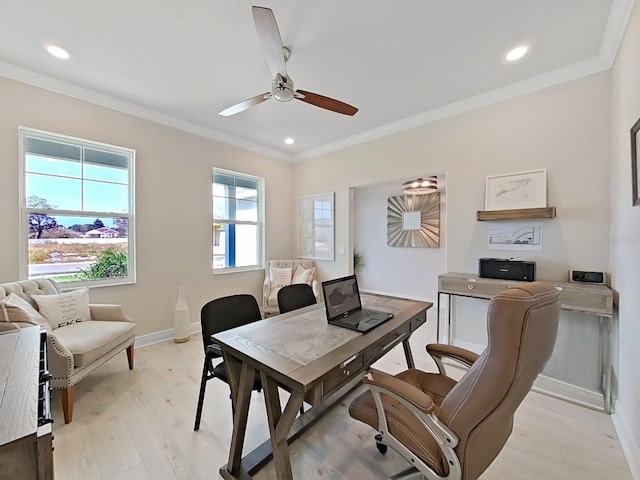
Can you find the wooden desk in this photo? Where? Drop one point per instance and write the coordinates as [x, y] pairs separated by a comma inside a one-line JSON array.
[[318, 363], [577, 297]]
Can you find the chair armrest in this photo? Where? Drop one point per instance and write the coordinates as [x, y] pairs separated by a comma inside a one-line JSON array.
[[266, 290], [458, 354], [105, 312], [315, 286], [391, 384], [59, 357]]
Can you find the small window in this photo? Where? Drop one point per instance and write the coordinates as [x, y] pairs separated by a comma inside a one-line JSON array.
[[76, 207], [237, 221]]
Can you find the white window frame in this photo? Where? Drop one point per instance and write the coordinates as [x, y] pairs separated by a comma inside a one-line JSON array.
[[23, 134], [260, 253]]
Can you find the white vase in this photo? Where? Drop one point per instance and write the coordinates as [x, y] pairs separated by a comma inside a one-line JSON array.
[[181, 319]]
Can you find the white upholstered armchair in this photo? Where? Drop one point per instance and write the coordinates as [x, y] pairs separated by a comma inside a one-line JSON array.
[[74, 348], [278, 273]]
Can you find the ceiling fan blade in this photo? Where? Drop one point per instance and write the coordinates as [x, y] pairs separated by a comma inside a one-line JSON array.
[[327, 103], [246, 104], [270, 40]]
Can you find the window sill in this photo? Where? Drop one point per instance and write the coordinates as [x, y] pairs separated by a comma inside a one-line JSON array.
[[226, 271]]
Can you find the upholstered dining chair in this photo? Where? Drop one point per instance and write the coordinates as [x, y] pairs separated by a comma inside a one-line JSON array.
[[454, 430], [295, 296], [217, 316]]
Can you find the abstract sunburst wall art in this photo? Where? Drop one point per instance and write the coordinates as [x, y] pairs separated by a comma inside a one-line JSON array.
[[413, 221]]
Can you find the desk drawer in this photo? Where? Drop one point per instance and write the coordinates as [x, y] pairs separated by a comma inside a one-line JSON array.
[[386, 343], [342, 374], [588, 300], [480, 288]]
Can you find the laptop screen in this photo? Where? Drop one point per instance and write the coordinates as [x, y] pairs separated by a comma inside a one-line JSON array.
[[341, 296]]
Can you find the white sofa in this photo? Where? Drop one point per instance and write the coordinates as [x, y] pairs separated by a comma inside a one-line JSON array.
[[75, 350], [273, 282]]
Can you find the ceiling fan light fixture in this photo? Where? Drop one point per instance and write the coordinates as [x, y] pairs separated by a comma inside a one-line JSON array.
[[282, 89], [516, 53], [283, 94]]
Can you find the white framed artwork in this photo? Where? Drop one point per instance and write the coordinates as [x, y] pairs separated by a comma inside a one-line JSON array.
[[516, 190], [316, 227]]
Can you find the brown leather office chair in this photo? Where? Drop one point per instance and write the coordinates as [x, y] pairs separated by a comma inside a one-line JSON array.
[[454, 430]]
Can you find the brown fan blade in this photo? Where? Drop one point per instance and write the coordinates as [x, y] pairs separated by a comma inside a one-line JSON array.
[[270, 40], [327, 103], [244, 105]]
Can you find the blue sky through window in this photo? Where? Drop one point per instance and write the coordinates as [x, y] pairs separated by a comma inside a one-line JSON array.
[[60, 183]]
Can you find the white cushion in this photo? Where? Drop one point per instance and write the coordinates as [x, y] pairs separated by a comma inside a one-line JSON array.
[[17, 309], [304, 275], [88, 342], [64, 308], [280, 276]]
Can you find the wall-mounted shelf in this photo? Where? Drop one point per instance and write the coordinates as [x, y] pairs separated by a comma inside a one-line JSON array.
[[517, 214]]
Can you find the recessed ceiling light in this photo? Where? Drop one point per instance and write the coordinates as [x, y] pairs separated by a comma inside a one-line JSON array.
[[516, 53], [58, 52], [289, 141]]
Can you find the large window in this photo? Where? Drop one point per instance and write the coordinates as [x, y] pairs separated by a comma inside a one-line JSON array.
[[76, 210], [237, 221]]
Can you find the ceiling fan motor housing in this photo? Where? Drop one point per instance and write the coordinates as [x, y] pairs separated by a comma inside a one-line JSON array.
[[282, 89]]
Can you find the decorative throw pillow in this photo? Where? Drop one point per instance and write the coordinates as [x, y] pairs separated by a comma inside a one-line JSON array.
[[17, 309], [280, 276], [64, 308], [304, 275]]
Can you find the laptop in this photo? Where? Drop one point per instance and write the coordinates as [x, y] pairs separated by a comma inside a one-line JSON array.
[[344, 308]]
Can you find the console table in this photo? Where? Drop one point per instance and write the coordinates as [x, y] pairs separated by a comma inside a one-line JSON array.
[[578, 297], [317, 362], [25, 428]]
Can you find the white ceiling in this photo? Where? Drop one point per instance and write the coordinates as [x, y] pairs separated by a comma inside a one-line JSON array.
[[402, 62]]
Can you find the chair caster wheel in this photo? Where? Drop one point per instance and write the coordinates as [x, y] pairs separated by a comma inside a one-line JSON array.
[[382, 448]]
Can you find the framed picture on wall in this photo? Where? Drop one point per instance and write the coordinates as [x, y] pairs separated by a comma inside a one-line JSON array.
[[635, 153], [516, 190], [315, 227]]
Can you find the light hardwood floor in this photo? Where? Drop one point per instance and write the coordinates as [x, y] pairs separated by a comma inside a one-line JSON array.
[[138, 425]]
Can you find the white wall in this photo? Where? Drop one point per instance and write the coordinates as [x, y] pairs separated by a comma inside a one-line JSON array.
[[564, 128], [173, 202], [625, 239], [385, 268]]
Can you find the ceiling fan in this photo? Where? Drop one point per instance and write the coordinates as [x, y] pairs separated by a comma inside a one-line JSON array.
[[282, 88]]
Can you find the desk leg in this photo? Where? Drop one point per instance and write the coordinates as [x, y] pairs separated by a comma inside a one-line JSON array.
[[407, 353], [438, 319], [605, 345], [280, 424], [449, 339], [241, 376]]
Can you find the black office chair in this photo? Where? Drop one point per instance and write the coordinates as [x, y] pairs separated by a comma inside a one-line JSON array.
[[217, 316], [295, 296]]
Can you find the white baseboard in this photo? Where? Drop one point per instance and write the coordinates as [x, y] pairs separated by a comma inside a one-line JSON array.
[[551, 386], [629, 445], [571, 393], [161, 336]]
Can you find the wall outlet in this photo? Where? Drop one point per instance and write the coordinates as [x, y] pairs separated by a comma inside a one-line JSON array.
[[341, 250]]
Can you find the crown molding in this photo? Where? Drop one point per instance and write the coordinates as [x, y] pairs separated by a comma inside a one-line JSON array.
[[614, 31], [561, 75], [65, 88]]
